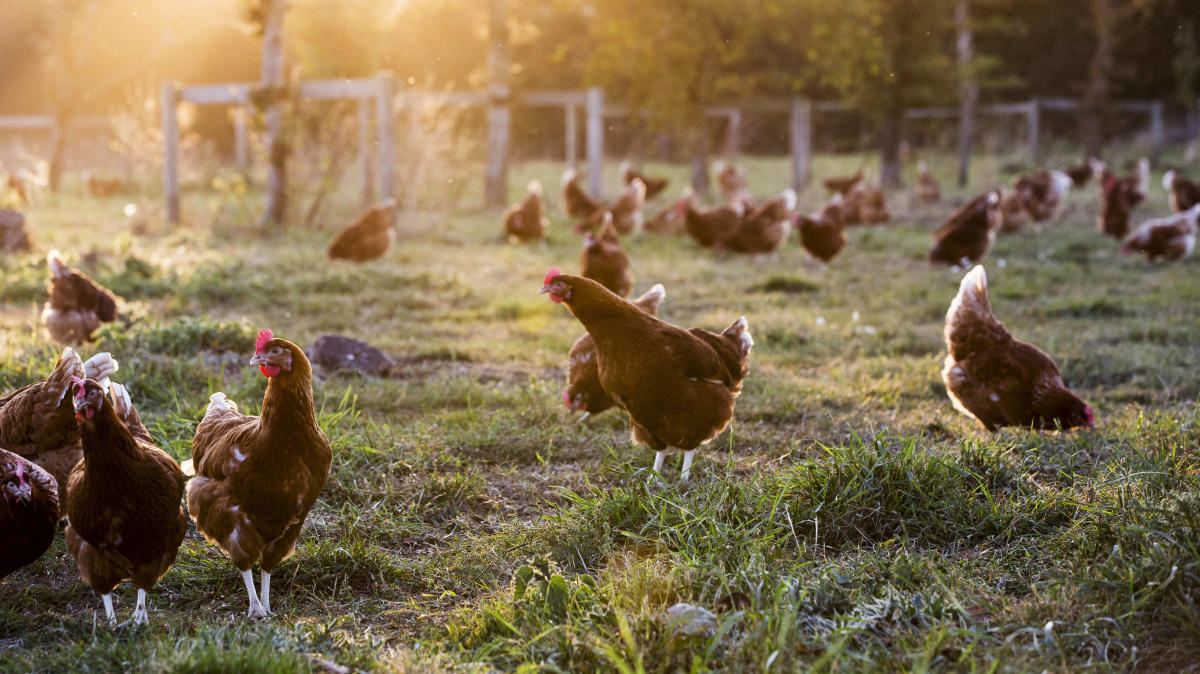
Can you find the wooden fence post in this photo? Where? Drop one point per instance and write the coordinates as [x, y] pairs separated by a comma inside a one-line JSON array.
[[572, 136], [385, 120], [733, 134], [499, 124], [1156, 130], [595, 140], [801, 138], [1033, 122], [241, 142], [364, 151], [170, 99]]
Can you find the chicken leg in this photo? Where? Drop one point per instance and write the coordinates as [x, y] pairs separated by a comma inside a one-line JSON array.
[[256, 609], [108, 608], [140, 615], [687, 465], [266, 592]]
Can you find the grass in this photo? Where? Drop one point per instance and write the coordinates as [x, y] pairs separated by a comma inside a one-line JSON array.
[[850, 520]]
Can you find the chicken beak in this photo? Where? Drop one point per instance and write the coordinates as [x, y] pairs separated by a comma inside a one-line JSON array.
[[258, 359], [545, 289]]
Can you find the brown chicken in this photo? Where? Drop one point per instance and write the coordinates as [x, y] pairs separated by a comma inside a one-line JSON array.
[[765, 229], [708, 226], [654, 186], [258, 477], [843, 184], [123, 503], [100, 188], [1012, 208], [16, 192], [670, 220], [824, 234], [37, 421], [928, 189], [1165, 239], [732, 184], [577, 203], [368, 238], [1182, 193], [969, 233], [626, 212], [1043, 193], [604, 261], [525, 220], [1000, 380], [866, 205], [678, 386], [1119, 196], [1080, 173], [28, 512], [584, 392], [76, 305]]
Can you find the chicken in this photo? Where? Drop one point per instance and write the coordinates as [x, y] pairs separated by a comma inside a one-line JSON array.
[[1119, 196], [928, 189], [604, 261], [368, 238], [1012, 210], [865, 205], [37, 421], [711, 225], [123, 503], [997, 379], [1080, 173], [76, 305], [824, 235], [15, 192], [969, 233], [13, 237], [1165, 239], [100, 188], [577, 203], [28, 512], [732, 184], [1182, 193], [1043, 193], [678, 386], [654, 186], [584, 392], [525, 220], [626, 211], [258, 477], [765, 229], [670, 220], [843, 184]]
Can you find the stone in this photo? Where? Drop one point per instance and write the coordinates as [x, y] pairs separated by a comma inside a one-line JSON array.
[[334, 353]]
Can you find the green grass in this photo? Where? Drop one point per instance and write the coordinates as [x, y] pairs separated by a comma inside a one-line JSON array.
[[850, 520]]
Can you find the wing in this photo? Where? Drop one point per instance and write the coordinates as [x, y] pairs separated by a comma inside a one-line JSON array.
[[693, 355], [38, 417], [218, 441]]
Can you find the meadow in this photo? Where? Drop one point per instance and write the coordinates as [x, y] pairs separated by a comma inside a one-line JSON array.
[[850, 519]]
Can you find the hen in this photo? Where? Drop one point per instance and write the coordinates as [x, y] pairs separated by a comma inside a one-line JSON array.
[[368, 238], [824, 235], [604, 261], [524, 220], [928, 189], [584, 392], [654, 186], [1182, 193], [1043, 193], [866, 205], [1119, 196], [708, 226], [1080, 173], [37, 421], [28, 512], [626, 211], [670, 220], [126, 522], [1165, 239], [765, 229], [969, 233], [997, 379], [577, 203], [77, 305], [732, 184], [678, 386], [258, 477], [101, 188], [843, 184]]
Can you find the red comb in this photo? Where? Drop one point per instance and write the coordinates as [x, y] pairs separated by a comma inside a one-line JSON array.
[[264, 336], [554, 271]]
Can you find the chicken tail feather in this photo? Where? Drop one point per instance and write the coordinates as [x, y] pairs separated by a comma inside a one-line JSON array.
[[970, 322]]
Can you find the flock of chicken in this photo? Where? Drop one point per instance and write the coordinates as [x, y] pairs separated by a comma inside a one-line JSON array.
[[74, 447]]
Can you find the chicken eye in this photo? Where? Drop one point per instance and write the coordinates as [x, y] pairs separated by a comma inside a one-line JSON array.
[[275, 349]]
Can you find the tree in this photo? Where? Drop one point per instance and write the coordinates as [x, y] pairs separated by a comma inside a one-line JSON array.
[[673, 58], [268, 15], [884, 56]]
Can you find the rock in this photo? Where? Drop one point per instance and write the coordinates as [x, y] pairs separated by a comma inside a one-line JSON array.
[[333, 353], [13, 237]]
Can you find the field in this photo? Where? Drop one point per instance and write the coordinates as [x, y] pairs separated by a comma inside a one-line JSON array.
[[850, 520]]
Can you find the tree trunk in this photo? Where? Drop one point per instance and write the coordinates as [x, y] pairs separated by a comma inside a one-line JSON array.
[[1095, 108], [968, 91], [889, 150], [273, 82], [499, 116], [699, 148]]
